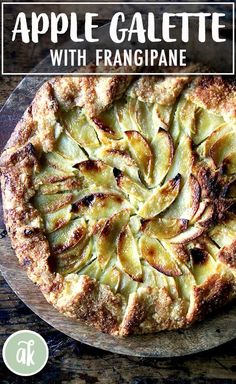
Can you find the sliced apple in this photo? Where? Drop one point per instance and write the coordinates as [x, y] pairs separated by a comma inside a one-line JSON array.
[[223, 147], [186, 116], [127, 285], [205, 123], [161, 115], [222, 235], [120, 159], [48, 175], [183, 159], [163, 150], [106, 126], [207, 218], [122, 113], [57, 161], [97, 172], [141, 151], [111, 277], [79, 128], [106, 240], [203, 265], [92, 269], [51, 203], [71, 183], [149, 278], [186, 283], [221, 131], [161, 199], [73, 260], [201, 209], [157, 256], [69, 149], [143, 117], [98, 205], [172, 287], [68, 236], [128, 255], [164, 228], [129, 186], [187, 236], [187, 202], [56, 220]]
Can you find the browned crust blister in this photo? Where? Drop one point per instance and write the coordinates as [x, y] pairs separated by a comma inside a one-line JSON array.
[[148, 309]]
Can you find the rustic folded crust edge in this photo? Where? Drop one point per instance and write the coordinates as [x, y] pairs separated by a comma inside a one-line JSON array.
[[149, 309]]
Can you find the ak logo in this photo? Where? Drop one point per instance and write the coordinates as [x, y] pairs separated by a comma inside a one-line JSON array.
[[25, 353]]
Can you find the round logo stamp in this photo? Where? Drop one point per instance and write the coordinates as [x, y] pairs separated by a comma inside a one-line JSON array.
[[25, 353]]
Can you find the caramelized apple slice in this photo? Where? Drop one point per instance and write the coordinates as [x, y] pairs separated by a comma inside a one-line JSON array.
[[203, 265], [164, 228], [187, 202], [142, 153], [157, 256], [207, 218], [183, 159], [163, 150], [121, 160], [201, 209], [221, 131], [130, 187], [161, 199], [105, 128], [128, 255], [68, 236], [56, 220], [106, 241], [223, 147], [97, 172], [111, 277], [98, 205], [190, 234], [69, 149], [74, 259], [51, 203], [79, 128]]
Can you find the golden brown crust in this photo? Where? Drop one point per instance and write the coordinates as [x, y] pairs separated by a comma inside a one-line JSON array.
[[211, 295], [148, 309], [215, 94]]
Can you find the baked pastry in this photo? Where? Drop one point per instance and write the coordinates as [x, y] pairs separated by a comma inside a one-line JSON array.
[[119, 198]]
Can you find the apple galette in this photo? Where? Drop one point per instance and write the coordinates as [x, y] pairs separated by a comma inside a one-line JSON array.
[[119, 198]]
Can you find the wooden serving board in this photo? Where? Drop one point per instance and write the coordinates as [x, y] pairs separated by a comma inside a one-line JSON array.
[[211, 333]]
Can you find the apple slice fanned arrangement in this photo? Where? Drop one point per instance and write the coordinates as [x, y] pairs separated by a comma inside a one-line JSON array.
[[137, 205]]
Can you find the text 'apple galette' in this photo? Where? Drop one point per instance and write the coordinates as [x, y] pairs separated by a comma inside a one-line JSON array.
[[119, 198]]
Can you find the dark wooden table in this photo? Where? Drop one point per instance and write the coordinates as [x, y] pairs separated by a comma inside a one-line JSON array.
[[73, 362]]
